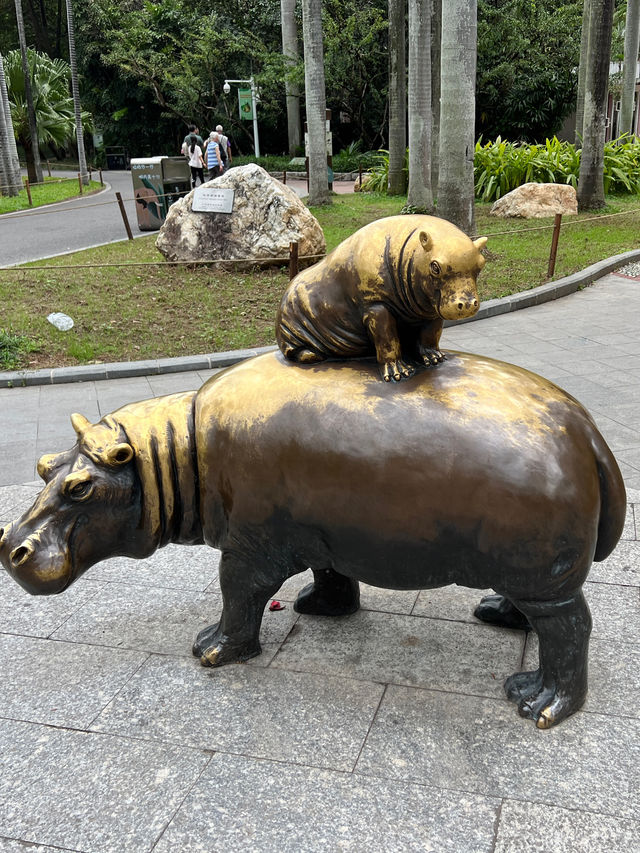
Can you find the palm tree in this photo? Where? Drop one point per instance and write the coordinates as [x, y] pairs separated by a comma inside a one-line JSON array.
[[630, 67], [82, 160], [11, 181], [582, 71], [436, 39], [34, 168], [315, 100], [420, 195], [397, 98], [53, 106], [290, 52], [590, 180], [457, 112]]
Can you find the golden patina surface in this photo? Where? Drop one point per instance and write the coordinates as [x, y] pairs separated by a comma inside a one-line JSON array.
[[385, 291]]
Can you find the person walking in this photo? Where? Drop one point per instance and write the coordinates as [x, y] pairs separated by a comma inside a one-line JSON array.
[[214, 158], [225, 146], [196, 162], [192, 128]]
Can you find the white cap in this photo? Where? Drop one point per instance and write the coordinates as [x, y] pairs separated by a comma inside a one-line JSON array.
[[219, 128]]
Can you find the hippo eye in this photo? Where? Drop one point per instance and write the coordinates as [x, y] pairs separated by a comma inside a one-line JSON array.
[[80, 490], [435, 267]]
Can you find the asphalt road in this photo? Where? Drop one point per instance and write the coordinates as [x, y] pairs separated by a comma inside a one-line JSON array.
[[71, 225]]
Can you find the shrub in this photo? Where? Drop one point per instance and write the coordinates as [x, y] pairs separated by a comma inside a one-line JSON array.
[[13, 348]]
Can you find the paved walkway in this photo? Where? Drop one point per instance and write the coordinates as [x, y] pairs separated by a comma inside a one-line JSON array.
[[384, 731]]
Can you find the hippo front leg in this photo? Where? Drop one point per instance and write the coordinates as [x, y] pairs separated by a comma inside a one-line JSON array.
[[246, 588], [383, 330], [429, 342]]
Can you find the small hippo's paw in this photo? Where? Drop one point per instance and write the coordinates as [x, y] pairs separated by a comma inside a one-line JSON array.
[[394, 371], [545, 706], [430, 357]]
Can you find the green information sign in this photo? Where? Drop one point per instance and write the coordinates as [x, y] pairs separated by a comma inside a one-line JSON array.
[[244, 103]]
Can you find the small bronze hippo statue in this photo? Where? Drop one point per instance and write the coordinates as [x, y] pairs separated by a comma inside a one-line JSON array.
[[479, 473], [385, 291]]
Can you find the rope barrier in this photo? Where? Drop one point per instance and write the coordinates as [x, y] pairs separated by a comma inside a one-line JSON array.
[[254, 261]]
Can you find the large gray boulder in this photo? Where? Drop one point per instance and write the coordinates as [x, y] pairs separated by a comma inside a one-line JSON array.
[[266, 217], [532, 201]]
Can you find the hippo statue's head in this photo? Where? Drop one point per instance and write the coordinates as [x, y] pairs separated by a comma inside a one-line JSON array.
[[90, 501], [127, 487], [453, 261]]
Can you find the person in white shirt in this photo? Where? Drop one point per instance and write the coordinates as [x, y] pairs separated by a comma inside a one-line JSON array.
[[194, 152]]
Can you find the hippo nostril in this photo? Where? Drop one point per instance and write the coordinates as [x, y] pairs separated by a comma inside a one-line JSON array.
[[475, 303], [20, 554], [460, 306]]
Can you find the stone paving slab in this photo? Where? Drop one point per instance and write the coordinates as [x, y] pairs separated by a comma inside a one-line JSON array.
[[90, 791], [481, 746], [175, 566], [532, 827], [262, 713], [443, 655], [253, 809]]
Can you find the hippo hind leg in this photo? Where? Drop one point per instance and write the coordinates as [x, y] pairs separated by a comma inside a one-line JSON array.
[[330, 594], [246, 589], [498, 610], [559, 687]]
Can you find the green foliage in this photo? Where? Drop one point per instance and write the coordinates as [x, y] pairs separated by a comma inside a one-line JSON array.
[[13, 348], [52, 101], [500, 166], [527, 56]]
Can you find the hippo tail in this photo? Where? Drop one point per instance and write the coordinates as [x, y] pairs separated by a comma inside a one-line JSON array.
[[613, 499]]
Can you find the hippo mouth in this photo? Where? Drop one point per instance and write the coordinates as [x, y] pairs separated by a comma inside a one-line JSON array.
[[40, 565]]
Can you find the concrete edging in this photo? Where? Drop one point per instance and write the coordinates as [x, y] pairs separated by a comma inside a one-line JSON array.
[[212, 361]]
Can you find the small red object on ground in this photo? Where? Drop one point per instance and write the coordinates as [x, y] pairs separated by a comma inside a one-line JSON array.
[[276, 605]]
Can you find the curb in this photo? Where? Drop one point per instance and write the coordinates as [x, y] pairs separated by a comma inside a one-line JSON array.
[[213, 361]]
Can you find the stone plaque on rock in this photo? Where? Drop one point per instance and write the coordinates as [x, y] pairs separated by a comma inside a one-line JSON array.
[[266, 216], [212, 200]]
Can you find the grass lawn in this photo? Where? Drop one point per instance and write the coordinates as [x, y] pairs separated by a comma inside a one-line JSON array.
[[130, 312], [53, 190]]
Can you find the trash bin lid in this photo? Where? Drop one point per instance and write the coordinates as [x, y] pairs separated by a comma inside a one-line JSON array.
[[137, 161]]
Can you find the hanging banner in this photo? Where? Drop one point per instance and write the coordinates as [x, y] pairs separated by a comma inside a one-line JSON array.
[[244, 104]]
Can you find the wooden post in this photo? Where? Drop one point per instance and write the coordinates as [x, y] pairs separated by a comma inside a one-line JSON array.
[[293, 260], [28, 189], [124, 216], [554, 245], [49, 168], [101, 181], [80, 182], [284, 177], [360, 175]]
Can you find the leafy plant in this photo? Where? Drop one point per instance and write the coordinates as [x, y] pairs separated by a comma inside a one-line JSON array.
[[13, 348]]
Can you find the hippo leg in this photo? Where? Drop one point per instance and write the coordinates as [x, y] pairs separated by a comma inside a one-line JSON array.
[[330, 594], [383, 330], [246, 588], [558, 688], [429, 342], [498, 610]]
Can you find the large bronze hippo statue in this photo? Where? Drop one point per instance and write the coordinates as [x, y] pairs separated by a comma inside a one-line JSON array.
[[479, 473], [385, 291]]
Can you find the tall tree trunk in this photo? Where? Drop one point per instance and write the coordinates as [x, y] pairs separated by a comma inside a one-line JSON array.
[[457, 113], [582, 72], [590, 181], [11, 181], [420, 194], [397, 98], [315, 100], [436, 39], [82, 159], [290, 51], [34, 168], [630, 68]]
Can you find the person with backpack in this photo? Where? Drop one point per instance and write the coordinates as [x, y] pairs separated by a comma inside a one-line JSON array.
[[225, 147], [192, 128]]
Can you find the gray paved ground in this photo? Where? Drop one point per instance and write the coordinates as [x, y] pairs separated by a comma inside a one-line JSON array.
[[384, 731]]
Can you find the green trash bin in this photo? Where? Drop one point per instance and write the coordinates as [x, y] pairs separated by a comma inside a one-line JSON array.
[[157, 183]]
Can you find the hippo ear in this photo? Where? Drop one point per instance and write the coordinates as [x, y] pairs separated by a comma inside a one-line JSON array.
[[426, 241], [79, 423], [117, 454], [480, 243]]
